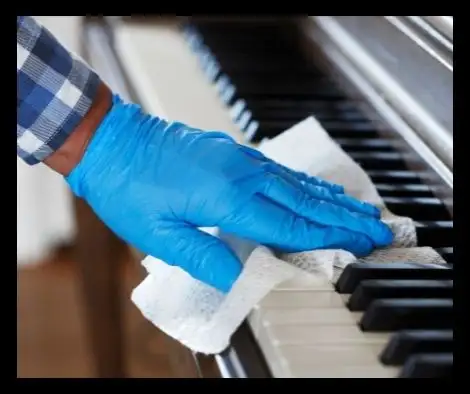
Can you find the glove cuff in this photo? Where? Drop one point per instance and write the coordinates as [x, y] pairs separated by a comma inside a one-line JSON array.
[[74, 179]]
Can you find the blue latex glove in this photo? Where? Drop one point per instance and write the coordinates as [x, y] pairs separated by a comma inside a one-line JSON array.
[[153, 183]]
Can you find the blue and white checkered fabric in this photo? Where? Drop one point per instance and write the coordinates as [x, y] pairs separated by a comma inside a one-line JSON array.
[[55, 90]]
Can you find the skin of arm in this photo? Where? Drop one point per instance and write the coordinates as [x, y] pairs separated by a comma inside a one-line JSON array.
[[66, 158]]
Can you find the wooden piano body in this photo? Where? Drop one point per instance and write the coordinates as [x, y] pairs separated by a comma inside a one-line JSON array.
[[388, 78]]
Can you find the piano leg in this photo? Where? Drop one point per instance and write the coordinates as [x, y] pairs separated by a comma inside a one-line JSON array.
[[99, 254]]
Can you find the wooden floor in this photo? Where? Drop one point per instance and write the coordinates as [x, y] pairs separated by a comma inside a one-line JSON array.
[[51, 337]]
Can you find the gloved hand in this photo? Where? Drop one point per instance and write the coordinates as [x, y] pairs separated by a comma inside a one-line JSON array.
[[153, 183]]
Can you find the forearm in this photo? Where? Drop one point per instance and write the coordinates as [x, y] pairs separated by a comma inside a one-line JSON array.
[[68, 155], [60, 99]]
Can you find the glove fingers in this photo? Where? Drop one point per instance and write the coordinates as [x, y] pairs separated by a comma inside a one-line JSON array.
[[299, 176], [325, 213], [320, 192], [265, 222], [316, 187], [310, 180], [204, 257]]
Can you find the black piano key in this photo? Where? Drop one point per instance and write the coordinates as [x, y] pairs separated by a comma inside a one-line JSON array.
[[379, 160], [428, 365], [273, 91], [350, 129], [354, 273], [302, 105], [272, 85], [404, 190], [448, 224], [266, 82], [353, 128], [238, 66], [268, 37], [373, 289], [272, 129], [406, 343], [407, 313], [447, 254], [267, 60], [213, 28], [236, 43], [242, 44], [359, 130], [436, 234], [365, 145], [300, 114], [297, 110], [277, 125], [394, 177], [419, 209]]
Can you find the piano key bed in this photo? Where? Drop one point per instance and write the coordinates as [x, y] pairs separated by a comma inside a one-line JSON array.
[[380, 320]]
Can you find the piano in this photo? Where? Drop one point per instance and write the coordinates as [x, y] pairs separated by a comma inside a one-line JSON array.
[[382, 87]]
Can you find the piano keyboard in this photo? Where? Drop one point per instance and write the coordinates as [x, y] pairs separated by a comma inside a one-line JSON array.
[[380, 321]]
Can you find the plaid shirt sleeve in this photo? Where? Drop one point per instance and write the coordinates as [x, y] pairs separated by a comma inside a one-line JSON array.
[[55, 90]]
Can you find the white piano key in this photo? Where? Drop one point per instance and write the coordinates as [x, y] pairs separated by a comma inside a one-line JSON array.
[[332, 355], [244, 119], [194, 42], [324, 360], [272, 356], [237, 109], [251, 129], [310, 333], [228, 93], [321, 335], [373, 371], [320, 316], [221, 83], [302, 299], [305, 281], [213, 71], [199, 48], [316, 307], [333, 361], [323, 357], [204, 58], [206, 63]]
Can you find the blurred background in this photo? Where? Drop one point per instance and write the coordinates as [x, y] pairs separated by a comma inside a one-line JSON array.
[[381, 86], [53, 336]]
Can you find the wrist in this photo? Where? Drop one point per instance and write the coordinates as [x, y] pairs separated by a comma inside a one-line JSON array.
[[66, 158], [111, 148]]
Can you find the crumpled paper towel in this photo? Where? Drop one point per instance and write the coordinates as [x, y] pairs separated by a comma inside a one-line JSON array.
[[202, 318]]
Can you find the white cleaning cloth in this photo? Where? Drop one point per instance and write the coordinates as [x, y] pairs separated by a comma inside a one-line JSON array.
[[204, 319]]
